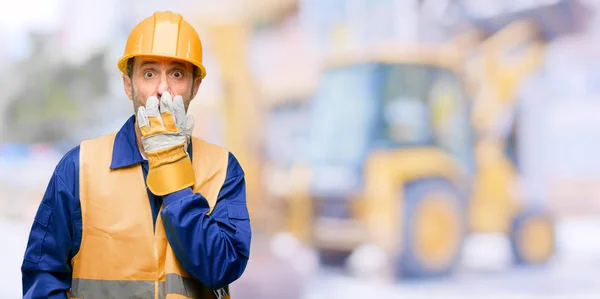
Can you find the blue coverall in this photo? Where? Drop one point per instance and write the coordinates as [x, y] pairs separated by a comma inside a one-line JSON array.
[[55, 235]]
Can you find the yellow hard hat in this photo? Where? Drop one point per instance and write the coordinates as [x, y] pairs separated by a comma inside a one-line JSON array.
[[164, 34]]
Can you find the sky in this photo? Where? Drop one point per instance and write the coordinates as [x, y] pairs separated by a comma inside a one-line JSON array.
[[18, 17], [86, 25]]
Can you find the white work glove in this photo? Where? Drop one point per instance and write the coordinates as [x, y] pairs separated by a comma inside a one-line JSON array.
[[165, 138]]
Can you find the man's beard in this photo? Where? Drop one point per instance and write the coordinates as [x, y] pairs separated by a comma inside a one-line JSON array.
[[137, 102]]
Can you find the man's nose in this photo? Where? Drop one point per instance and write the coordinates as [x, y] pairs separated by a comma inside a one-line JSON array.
[[162, 86]]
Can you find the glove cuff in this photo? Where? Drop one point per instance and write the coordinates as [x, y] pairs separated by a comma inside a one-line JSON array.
[[170, 170], [166, 156]]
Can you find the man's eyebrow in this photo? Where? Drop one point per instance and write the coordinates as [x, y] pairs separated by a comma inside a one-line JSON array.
[[147, 62], [174, 64], [179, 64]]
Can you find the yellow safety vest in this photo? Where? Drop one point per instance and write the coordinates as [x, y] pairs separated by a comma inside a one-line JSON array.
[[121, 254]]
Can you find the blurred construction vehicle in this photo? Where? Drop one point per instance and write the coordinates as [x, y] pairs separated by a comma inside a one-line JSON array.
[[408, 150]]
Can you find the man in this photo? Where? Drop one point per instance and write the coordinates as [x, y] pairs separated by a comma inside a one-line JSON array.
[[148, 211]]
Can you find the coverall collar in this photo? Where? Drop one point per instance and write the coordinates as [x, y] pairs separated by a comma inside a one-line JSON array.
[[125, 150]]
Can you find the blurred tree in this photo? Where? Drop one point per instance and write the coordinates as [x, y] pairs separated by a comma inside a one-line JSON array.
[[50, 99]]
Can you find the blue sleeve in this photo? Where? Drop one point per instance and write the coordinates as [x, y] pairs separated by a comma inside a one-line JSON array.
[[213, 248], [46, 269]]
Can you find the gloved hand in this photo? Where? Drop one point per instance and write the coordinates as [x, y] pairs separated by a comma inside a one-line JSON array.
[[184, 123], [165, 138]]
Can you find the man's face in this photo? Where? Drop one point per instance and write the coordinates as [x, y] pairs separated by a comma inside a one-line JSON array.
[[154, 75]]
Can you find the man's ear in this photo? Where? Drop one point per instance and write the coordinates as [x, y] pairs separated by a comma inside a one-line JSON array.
[[197, 82], [127, 84]]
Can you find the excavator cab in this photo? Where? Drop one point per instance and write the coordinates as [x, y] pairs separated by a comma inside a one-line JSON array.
[[385, 102]]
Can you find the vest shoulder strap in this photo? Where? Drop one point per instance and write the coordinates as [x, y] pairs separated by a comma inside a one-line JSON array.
[[98, 147], [210, 166], [93, 153]]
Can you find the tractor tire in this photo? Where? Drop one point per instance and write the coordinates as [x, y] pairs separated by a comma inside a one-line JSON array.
[[532, 238], [434, 226]]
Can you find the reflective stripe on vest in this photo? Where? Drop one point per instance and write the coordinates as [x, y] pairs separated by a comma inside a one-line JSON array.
[[134, 289], [175, 284], [126, 289]]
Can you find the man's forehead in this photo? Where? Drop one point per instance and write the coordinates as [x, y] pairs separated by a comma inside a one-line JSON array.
[[148, 60]]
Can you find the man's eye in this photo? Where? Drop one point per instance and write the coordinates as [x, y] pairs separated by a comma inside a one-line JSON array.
[[148, 74], [177, 74]]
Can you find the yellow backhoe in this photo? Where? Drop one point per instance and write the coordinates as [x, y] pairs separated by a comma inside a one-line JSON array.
[[408, 151]]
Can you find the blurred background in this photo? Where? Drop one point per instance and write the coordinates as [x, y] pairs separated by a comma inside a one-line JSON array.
[[393, 148]]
